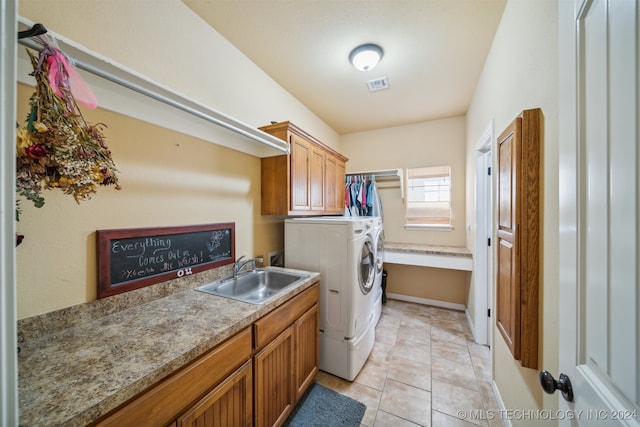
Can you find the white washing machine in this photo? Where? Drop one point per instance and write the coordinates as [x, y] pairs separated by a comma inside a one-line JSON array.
[[342, 250], [378, 241]]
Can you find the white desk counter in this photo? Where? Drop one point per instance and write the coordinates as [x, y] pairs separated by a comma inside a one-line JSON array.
[[450, 257]]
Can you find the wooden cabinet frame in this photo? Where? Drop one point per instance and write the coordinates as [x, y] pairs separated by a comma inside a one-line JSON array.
[[518, 236]]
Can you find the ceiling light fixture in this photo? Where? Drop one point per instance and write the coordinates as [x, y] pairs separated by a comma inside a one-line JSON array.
[[366, 56]]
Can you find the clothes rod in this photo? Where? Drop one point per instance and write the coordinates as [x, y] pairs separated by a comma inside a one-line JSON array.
[[387, 173], [32, 44]]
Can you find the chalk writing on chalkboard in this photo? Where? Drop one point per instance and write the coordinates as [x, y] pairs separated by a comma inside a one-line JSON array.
[[132, 258]]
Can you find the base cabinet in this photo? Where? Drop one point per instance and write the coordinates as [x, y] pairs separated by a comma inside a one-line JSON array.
[[161, 404], [275, 394], [285, 368], [229, 404], [307, 352], [254, 378]]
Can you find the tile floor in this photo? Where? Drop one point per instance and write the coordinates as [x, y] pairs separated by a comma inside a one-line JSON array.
[[423, 370]]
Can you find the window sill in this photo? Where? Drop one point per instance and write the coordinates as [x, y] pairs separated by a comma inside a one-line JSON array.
[[429, 227]]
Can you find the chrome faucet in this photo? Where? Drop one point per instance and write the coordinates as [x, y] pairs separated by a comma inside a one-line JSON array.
[[239, 264]]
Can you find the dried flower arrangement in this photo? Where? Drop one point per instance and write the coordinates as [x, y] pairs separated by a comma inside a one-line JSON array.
[[57, 148]]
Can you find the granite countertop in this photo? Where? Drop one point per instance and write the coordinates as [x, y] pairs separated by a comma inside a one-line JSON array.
[[417, 248], [78, 374]]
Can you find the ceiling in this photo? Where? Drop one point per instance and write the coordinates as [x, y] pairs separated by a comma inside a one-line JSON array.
[[434, 51]]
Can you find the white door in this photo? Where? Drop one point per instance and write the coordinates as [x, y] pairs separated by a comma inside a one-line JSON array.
[[8, 358], [600, 210], [483, 254]]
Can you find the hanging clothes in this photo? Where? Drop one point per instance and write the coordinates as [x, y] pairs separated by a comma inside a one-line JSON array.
[[361, 196]]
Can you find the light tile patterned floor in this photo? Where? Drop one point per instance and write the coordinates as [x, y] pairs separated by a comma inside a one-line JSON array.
[[423, 370]]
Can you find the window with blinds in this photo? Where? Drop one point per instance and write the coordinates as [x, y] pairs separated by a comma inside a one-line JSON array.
[[428, 196]]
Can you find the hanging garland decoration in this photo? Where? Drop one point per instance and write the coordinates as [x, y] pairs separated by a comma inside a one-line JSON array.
[[57, 148]]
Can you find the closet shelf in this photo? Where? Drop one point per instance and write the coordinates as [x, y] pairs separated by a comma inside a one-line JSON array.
[[128, 92], [384, 174], [380, 173]]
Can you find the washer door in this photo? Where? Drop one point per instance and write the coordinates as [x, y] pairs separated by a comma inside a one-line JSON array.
[[379, 252], [367, 266]]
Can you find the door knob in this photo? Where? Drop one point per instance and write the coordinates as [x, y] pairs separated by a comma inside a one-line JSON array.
[[550, 385]]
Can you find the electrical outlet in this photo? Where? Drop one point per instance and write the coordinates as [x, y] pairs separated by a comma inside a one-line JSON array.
[[276, 258]]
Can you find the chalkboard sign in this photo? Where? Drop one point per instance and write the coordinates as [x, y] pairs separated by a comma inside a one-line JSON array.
[[133, 258]]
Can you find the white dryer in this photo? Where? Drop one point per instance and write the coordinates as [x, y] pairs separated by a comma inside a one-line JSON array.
[[342, 250]]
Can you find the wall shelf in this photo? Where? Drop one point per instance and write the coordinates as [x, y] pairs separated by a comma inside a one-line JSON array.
[[128, 92], [383, 174]]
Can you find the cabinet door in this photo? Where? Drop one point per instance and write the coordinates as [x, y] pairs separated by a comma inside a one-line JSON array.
[[274, 380], [307, 352], [301, 158], [229, 404], [316, 179], [334, 185], [518, 236], [508, 295]]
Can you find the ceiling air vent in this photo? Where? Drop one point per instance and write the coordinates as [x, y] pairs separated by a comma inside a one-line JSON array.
[[378, 84]]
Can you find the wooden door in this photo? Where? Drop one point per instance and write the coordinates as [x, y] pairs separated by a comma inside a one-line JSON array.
[[301, 158], [274, 380], [307, 351], [600, 210], [229, 404]]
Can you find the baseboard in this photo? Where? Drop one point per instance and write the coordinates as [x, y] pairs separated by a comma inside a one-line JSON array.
[[503, 410], [426, 301], [472, 326]]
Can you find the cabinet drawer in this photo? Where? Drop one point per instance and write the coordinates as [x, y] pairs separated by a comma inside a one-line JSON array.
[[269, 326], [160, 404]]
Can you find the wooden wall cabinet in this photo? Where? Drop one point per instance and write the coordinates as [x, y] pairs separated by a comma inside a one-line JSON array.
[[308, 181], [254, 378], [518, 233]]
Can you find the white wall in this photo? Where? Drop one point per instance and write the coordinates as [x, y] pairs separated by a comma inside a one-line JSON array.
[[521, 72]]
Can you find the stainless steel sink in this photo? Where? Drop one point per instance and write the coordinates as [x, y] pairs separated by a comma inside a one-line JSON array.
[[254, 287]]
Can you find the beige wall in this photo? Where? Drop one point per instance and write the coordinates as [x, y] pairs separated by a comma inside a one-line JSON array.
[[433, 143], [167, 178], [428, 283], [168, 42], [521, 72]]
